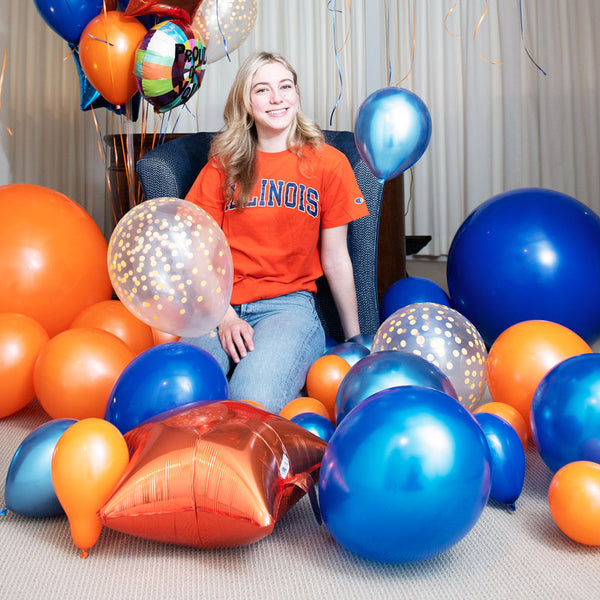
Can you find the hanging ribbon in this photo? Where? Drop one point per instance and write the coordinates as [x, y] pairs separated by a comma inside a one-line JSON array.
[[221, 32], [523, 39], [337, 51], [1, 80], [481, 19], [446, 20]]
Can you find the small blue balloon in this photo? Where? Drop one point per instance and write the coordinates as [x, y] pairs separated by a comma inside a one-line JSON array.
[[405, 476], [162, 378], [411, 290], [351, 352], [316, 424], [366, 339], [68, 18], [29, 490], [507, 458], [392, 130]]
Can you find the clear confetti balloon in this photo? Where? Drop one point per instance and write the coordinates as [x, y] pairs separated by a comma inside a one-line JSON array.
[[170, 265], [446, 339]]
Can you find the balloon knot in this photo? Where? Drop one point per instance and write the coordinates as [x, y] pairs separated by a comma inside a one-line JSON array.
[[511, 507], [84, 554], [4, 511]]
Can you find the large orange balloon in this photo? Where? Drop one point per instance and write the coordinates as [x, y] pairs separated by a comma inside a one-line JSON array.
[[574, 500], [304, 404], [76, 371], [324, 378], [107, 54], [522, 355], [161, 337], [53, 256], [21, 339], [89, 459], [114, 317], [511, 415]]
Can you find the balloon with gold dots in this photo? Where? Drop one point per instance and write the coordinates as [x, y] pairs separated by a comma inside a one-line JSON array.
[[170, 265], [446, 339]]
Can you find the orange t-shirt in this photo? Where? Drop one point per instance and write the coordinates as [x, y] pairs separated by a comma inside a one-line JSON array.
[[274, 241]]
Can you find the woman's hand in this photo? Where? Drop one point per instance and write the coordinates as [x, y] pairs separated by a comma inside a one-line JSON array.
[[237, 336]]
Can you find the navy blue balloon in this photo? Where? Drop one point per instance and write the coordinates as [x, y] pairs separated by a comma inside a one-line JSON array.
[[565, 412], [164, 377], [68, 18], [366, 339], [392, 130], [29, 490], [386, 369], [316, 424], [410, 290], [507, 458], [405, 476], [351, 352], [527, 254]]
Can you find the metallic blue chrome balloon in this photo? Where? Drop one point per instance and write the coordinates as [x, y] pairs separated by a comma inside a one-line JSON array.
[[316, 424], [351, 352], [565, 412], [507, 456], [386, 369], [366, 339], [392, 130], [410, 290], [29, 490], [405, 476]]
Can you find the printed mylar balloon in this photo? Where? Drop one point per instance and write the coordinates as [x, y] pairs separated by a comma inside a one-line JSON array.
[[170, 265], [174, 9]]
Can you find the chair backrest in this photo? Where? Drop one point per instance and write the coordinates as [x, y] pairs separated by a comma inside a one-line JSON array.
[[170, 170]]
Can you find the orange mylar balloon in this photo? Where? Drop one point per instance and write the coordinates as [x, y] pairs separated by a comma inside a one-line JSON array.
[[511, 415], [574, 501], [53, 256], [304, 404], [21, 339], [114, 317], [107, 50], [522, 355], [324, 378], [213, 475], [76, 371], [89, 459]]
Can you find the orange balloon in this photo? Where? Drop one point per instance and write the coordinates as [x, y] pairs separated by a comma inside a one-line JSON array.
[[255, 403], [160, 337], [76, 371], [324, 378], [522, 355], [574, 501], [302, 405], [53, 256], [107, 54], [114, 317], [89, 459], [21, 339], [511, 415]]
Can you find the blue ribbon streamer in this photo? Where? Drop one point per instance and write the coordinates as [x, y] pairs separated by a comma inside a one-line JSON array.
[[221, 32], [523, 39]]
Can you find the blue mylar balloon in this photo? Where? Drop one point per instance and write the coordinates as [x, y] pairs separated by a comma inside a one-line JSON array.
[[351, 352], [410, 290], [507, 456], [68, 18], [405, 476], [565, 412], [392, 130], [316, 424], [164, 377], [29, 489]]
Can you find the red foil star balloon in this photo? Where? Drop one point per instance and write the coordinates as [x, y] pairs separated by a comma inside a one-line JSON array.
[[173, 9]]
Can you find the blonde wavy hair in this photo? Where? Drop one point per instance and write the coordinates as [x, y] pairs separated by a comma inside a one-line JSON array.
[[235, 146]]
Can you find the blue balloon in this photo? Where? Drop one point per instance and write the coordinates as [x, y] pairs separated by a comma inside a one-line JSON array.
[[29, 490], [527, 254], [392, 130], [405, 476], [366, 339], [565, 412], [507, 458], [164, 377], [316, 424], [69, 18], [411, 290], [386, 369], [351, 352]]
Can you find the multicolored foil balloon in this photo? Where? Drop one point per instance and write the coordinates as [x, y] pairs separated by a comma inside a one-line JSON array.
[[169, 65], [445, 338], [212, 476], [170, 265]]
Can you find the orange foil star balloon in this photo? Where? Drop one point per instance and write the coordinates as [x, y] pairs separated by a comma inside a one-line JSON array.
[[213, 475]]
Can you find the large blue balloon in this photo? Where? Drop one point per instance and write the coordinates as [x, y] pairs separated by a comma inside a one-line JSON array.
[[410, 290], [507, 456], [162, 378], [392, 130], [405, 476], [565, 412], [524, 255], [68, 18], [29, 490], [386, 369]]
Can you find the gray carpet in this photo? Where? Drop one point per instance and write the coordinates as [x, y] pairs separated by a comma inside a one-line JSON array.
[[506, 555]]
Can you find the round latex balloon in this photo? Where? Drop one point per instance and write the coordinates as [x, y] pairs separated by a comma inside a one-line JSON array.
[[405, 476], [171, 266], [317, 424], [68, 18], [446, 339], [351, 352], [511, 415], [518, 257], [410, 290], [304, 404], [53, 256], [392, 130], [324, 378]]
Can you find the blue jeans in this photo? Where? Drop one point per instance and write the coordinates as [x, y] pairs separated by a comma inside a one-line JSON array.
[[288, 338]]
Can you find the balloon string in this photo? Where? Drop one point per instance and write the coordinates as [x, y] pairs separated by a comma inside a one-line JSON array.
[[1, 81], [481, 19], [337, 60], [523, 39], [452, 8], [414, 43], [221, 32]]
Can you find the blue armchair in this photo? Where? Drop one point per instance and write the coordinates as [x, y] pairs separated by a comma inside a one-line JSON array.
[[170, 170]]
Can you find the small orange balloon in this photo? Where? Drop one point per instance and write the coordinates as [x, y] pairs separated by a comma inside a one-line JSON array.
[[324, 378], [160, 337], [89, 459], [574, 501], [302, 405], [511, 415], [114, 317]]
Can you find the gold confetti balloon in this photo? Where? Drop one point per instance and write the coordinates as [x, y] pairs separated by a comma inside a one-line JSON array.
[[170, 265], [446, 339]]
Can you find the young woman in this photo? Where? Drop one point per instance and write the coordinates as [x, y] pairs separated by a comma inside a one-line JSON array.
[[284, 199]]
